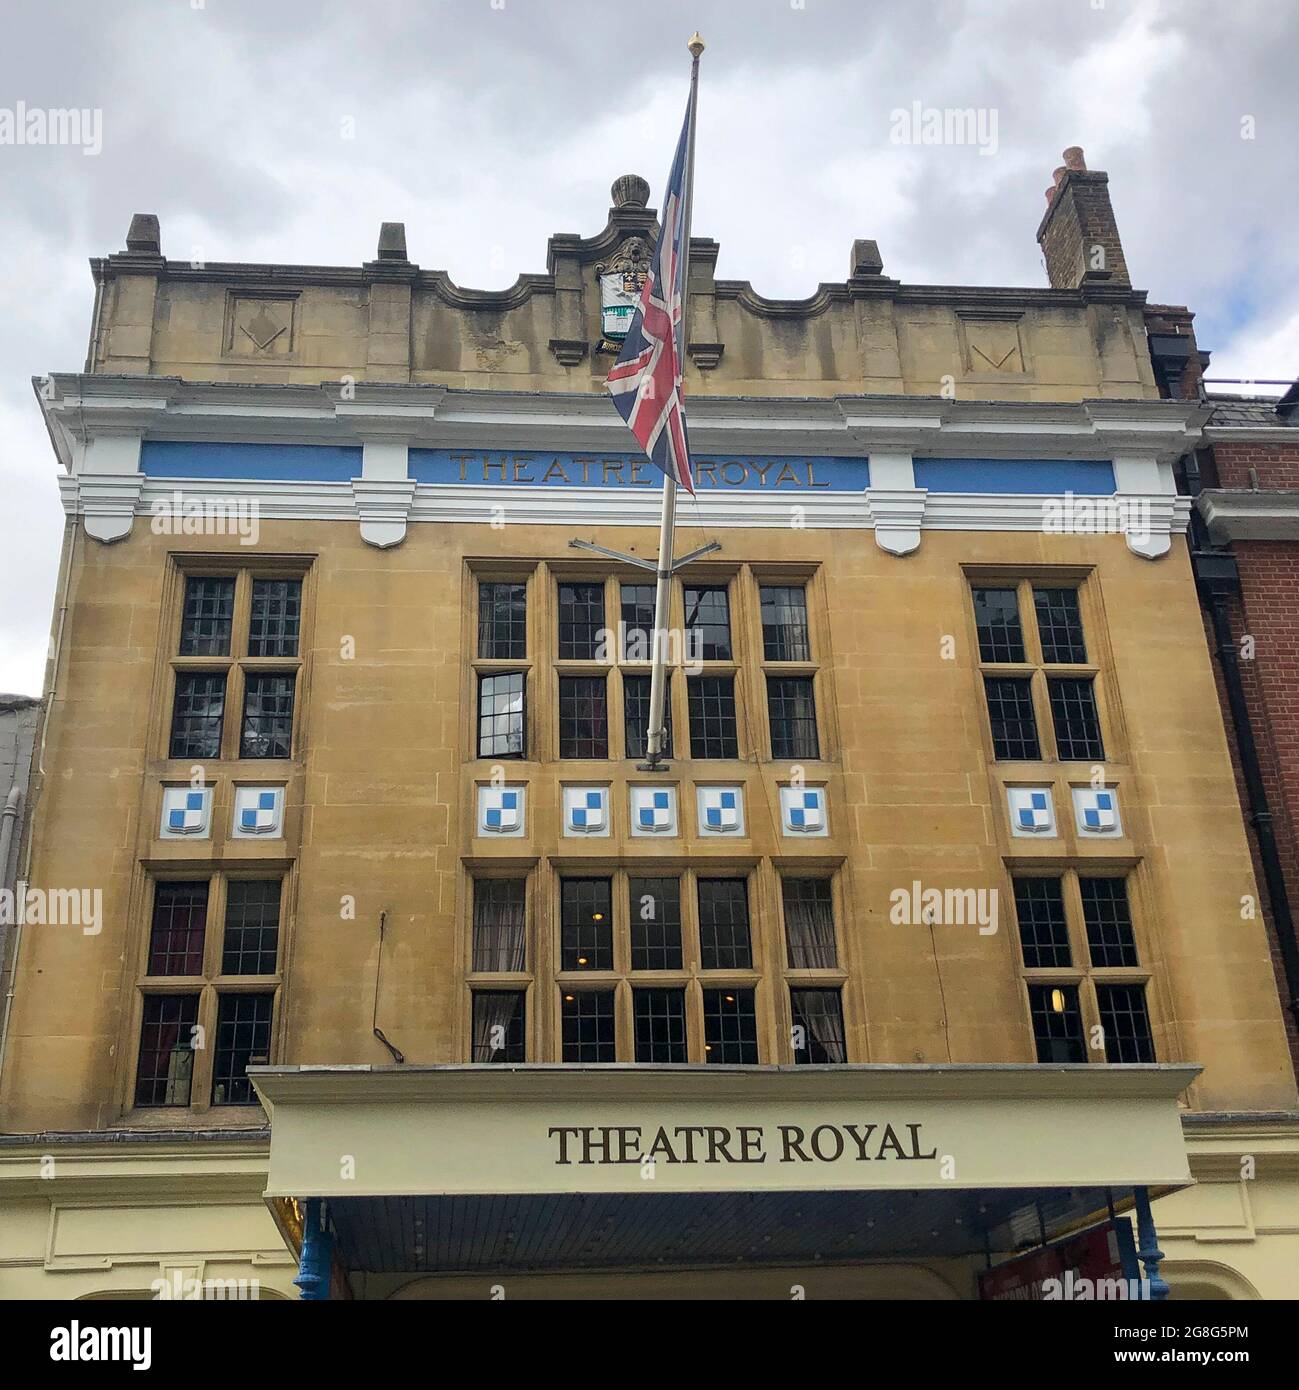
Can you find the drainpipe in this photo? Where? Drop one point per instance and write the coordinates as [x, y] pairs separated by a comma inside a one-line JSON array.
[[1217, 578], [8, 820]]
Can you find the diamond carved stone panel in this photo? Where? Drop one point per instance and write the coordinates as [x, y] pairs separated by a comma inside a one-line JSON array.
[[260, 326], [993, 345]]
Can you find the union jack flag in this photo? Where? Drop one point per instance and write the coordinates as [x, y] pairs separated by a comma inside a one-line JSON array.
[[645, 381]]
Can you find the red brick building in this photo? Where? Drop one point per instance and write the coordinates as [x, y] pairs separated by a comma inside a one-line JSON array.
[[1246, 539]]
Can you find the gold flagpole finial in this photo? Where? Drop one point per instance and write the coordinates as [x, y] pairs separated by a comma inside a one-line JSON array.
[[696, 44]]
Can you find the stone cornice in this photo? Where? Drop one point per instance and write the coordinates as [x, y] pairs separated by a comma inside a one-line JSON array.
[[1252, 434], [632, 1082], [623, 222], [79, 407], [1240, 515]]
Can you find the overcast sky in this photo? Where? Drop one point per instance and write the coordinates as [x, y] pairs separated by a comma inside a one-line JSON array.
[[486, 125]]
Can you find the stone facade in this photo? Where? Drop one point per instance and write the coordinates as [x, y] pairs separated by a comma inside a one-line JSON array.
[[926, 433]]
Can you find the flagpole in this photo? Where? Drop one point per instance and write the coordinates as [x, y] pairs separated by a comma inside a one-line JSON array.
[[667, 526]]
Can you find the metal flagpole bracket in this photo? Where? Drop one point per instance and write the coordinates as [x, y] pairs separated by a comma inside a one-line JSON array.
[[656, 763], [615, 555], [646, 564], [696, 555]]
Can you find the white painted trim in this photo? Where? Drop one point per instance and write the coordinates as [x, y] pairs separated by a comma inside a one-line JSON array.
[[108, 504], [581, 506], [276, 501], [384, 508], [81, 407], [898, 514]]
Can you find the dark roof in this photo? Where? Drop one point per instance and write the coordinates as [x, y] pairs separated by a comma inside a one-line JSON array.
[[1243, 411]]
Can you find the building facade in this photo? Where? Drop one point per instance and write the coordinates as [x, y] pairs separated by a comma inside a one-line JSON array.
[[1246, 482], [926, 949]]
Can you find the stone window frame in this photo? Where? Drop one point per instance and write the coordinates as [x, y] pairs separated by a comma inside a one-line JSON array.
[[211, 984], [1080, 973], [1098, 669], [236, 664], [691, 978]]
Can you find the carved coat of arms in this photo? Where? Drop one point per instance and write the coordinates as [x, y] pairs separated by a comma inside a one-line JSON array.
[[622, 277]]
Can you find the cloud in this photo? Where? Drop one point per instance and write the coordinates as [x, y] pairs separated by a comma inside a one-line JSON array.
[[486, 125]]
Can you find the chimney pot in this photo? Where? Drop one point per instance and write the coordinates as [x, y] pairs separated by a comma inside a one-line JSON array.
[[1078, 233], [144, 237]]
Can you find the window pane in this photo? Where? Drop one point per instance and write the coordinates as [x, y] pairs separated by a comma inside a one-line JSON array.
[[1059, 625], [708, 614], [996, 615], [198, 714], [500, 715], [1126, 1023], [165, 1068], [243, 1040], [1057, 1023], [712, 717], [818, 1026], [586, 924], [809, 923], [276, 617], [252, 927], [581, 620], [178, 928], [499, 1026], [207, 617], [660, 1016], [635, 708], [1043, 935], [583, 717], [792, 707], [654, 911], [730, 1027], [1109, 921], [1010, 711], [588, 1026], [637, 604], [784, 624], [500, 924], [502, 621], [268, 716], [724, 924], [1077, 726]]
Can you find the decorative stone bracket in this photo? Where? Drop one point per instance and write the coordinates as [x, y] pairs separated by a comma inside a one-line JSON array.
[[107, 503], [1153, 540], [383, 508], [898, 514]]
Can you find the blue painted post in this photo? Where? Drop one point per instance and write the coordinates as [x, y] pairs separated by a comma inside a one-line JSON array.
[[1148, 1251], [315, 1263]]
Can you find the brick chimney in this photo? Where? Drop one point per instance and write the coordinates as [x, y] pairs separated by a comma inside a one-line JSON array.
[[1078, 235]]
